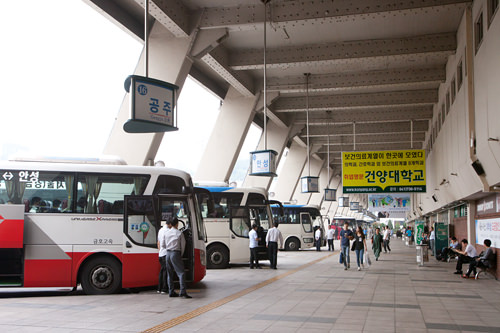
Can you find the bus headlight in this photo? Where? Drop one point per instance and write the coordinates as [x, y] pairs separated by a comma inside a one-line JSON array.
[[203, 257], [308, 240]]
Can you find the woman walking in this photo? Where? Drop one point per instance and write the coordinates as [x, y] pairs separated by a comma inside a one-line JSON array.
[[377, 243], [359, 246]]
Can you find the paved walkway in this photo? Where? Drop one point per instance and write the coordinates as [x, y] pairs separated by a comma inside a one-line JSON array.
[[310, 292]]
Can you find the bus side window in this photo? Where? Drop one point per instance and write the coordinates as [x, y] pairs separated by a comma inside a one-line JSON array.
[[97, 191], [39, 191]]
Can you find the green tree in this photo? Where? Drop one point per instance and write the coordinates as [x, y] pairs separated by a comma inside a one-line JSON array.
[[389, 224]]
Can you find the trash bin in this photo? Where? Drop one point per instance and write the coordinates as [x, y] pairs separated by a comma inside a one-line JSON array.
[[422, 253]]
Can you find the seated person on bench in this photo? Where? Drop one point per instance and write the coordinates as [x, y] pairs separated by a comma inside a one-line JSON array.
[[483, 261], [448, 251], [465, 256]]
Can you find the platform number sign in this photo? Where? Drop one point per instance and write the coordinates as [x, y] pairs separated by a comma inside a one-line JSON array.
[[152, 105]]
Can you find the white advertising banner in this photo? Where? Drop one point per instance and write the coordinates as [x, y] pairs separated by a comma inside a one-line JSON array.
[[488, 229]]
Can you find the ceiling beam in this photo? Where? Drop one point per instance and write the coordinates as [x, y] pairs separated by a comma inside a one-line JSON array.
[[330, 102], [241, 81], [342, 81], [367, 129], [335, 150], [342, 51], [293, 11], [173, 15], [368, 138], [368, 115]]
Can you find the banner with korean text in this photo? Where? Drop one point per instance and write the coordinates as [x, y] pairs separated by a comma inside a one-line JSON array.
[[383, 171], [488, 229]]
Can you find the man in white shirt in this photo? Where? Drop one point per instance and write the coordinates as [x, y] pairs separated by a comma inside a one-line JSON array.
[[175, 244], [465, 256], [387, 239], [254, 243], [432, 241], [329, 237], [162, 255], [317, 238], [273, 235]]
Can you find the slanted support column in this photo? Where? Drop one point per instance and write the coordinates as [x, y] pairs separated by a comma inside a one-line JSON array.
[[277, 137], [333, 205], [288, 179], [317, 198], [168, 62], [227, 137]]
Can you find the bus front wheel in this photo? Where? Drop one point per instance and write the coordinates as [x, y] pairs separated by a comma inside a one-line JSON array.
[[101, 276], [292, 244], [217, 257]]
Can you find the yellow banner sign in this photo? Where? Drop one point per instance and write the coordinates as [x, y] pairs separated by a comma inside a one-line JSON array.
[[383, 171]]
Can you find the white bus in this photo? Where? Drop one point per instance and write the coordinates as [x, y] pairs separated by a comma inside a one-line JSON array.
[[82, 222], [296, 225], [236, 209]]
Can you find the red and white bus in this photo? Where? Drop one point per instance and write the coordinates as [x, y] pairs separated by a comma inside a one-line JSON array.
[[64, 223]]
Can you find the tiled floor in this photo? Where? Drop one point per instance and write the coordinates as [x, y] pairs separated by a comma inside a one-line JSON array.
[[393, 295]]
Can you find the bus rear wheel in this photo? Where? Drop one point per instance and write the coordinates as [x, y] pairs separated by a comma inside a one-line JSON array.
[[101, 276], [292, 244], [217, 257]]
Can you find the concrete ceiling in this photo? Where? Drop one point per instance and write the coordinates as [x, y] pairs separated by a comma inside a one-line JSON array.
[[375, 66]]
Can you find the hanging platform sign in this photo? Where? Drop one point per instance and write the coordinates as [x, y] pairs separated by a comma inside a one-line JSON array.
[[384, 171], [330, 194], [344, 202], [309, 184], [152, 105], [263, 163]]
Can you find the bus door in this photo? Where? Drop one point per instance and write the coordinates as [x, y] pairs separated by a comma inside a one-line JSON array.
[[140, 265], [11, 245], [260, 216], [306, 222], [239, 223], [174, 206]]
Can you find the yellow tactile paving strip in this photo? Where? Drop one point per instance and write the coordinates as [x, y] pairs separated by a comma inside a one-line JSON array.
[[201, 310]]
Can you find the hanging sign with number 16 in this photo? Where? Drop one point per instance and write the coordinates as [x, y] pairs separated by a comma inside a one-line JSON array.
[[152, 105]]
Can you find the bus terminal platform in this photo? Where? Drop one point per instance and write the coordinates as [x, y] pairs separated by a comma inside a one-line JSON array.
[[309, 292]]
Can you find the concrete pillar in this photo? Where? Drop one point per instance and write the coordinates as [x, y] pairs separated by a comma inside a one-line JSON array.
[[471, 222], [168, 62], [277, 137], [317, 198], [227, 137], [288, 179], [331, 206]]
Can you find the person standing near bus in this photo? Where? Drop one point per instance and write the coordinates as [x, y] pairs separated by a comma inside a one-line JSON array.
[[162, 255], [175, 245], [254, 243], [317, 238], [273, 235], [329, 236], [346, 236]]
